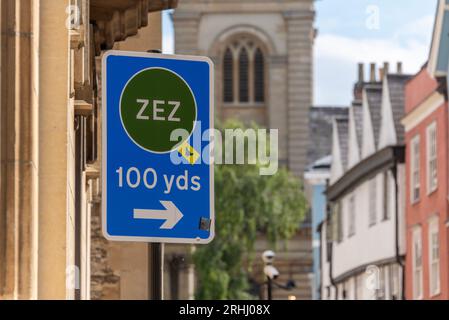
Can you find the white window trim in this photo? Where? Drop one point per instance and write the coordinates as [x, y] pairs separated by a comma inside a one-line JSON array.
[[340, 222], [429, 129], [434, 228], [417, 237], [394, 286], [415, 141]]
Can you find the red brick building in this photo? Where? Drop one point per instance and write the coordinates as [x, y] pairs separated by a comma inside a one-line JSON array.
[[426, 134], [426, 127]]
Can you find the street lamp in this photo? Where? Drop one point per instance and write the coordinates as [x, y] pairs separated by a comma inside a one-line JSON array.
[[271, 273]]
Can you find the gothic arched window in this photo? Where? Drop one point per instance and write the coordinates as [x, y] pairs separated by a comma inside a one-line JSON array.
[[244, 73], [259, 76], [228, 77], [243, 76]]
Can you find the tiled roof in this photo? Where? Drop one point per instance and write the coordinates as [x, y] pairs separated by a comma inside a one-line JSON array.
[[320, 130], [374, 96], [358, 119], [396, 86], [342, 128]]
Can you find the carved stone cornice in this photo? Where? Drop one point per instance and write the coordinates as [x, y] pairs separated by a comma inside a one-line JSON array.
[[299, 15], [115, 20]]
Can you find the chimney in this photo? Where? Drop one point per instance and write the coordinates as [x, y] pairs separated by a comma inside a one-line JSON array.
[[372, 75], [361, 73], [381, 73], [358, 87], [386, 68], [399, 67]]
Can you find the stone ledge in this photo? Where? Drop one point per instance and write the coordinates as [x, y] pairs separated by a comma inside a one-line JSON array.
[[76, 39], [83, 108], [92, 172], [115, 20]]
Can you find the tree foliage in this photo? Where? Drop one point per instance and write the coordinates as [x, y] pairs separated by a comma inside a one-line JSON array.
[[247, 204]]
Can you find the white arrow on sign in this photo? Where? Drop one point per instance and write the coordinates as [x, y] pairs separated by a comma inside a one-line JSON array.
[[172, 215]]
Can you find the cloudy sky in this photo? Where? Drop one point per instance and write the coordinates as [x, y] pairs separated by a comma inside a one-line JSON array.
[[352, 31]]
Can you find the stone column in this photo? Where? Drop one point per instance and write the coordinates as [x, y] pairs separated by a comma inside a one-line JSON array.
[[218, 89], [18, 142], [56, 153], [300, 33], [186, 32], [277, 93]]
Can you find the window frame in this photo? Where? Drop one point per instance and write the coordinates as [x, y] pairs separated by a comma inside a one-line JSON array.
[[243, 80], [231, 76], [381, 292], [415, 162], [432, 158], [351, 215], [337, 222], [259, 81], [394, 282], [252, 46], [340, 235], [433, 229], [417, 283]]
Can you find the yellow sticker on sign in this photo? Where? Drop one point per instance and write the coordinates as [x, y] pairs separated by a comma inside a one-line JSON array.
[[189, 153]]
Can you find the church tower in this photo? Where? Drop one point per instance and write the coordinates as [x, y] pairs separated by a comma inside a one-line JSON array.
[[263, 53]]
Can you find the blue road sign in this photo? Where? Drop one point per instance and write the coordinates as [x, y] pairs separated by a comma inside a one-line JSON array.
[[157, 172]]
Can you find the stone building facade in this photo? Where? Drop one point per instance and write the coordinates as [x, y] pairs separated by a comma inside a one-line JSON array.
[[263, 53], [50, 117], [283, 33]]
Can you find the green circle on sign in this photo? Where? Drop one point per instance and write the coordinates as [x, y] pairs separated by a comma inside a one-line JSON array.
[[154, 103]]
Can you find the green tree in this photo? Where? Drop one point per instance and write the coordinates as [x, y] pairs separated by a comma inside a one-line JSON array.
[[247, 204]]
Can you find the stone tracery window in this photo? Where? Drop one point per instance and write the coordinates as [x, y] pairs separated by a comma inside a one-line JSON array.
[[244, 73], [259, 76], [228, 76]]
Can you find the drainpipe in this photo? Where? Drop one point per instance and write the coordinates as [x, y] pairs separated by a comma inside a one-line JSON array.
[[320, 287], [325, 219], [330, 253], [330, 271], [399, 260]]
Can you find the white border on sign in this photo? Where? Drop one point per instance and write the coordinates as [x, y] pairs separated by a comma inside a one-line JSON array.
[[105, 148]]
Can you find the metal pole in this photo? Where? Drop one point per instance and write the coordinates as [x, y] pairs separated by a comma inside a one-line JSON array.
[[269, 289], [156, 259], [156, 271]]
